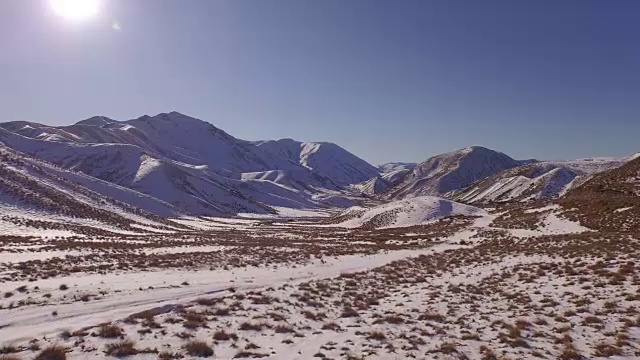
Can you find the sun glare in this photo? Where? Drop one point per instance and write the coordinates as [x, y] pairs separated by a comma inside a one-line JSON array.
[[75, 9]]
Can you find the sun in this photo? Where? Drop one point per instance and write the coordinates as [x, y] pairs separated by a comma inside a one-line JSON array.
[[75, 9]]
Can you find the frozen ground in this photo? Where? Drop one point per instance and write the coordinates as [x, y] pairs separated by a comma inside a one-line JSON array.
[[512, 284]]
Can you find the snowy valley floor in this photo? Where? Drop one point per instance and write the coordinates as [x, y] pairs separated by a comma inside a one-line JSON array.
[[504, 286]]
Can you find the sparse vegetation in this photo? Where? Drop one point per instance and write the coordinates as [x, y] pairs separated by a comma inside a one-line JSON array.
[[198, 348], [121, 349], [53, 353]]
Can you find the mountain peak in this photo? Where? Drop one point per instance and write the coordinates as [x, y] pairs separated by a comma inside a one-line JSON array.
[[96, 121], [451, 171], [478, 150], [170, 116], [173, 121], [325, 158]]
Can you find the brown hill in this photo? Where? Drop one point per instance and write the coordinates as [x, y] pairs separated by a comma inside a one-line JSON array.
[[610, 201]]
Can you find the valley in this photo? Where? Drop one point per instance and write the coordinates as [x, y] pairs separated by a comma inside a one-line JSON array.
[[124, 240]]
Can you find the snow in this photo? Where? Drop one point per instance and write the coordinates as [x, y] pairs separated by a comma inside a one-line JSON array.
[[410, 212], [542, 209], [26, 323], [22, 214], [147, 165], [538, 180], [552, 225], [8, 228], [327, 159], [188, 166], [289, 213], [396, 166], [452, 171], [20, 256], [372, 186]]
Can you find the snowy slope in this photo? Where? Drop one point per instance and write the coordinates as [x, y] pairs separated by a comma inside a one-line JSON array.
[[381, 183], [37, 195], [541, 180], [407, 212], [181, 161], [177, 137], [395, 166], [451, 171], [375, 185], [328, 159], [193, 189]]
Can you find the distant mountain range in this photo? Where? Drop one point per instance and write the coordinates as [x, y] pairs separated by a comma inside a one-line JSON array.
[[195, 167], [175, 165]]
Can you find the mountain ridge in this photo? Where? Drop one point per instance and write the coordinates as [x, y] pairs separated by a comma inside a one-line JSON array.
[[451, 171], [198, 169], [180, 160]]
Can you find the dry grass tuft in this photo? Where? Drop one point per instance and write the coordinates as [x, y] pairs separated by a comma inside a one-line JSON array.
[[110, 331], [121, 349], [198, 348], [54, 352]]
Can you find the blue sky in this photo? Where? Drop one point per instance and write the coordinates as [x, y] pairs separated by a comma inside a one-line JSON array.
[[387, 80]]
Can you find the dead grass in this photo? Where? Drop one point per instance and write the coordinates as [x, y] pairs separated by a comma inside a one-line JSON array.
[[54, 352], [10, 357], [110, 331], [222, 335], [198, 348], [243, 354], [120, 349], [169, 355], [252, 326]]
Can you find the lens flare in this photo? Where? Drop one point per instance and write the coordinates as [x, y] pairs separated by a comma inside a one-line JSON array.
[[75, 9]]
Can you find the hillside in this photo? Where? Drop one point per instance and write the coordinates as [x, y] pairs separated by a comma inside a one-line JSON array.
[[409, 212], [395, 166], [539, 180], [190, 164], [610, 201], [451, 171], [177, 137], [373, 186], [192, 189], [327, 159], [381, 183], [37, 197]]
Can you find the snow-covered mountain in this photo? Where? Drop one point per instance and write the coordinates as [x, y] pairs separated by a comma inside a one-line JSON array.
[[190, 164], [172, 136], [193, 189], [327, 159], [408, 212], [174, 165], [539, 180], [451, 171]]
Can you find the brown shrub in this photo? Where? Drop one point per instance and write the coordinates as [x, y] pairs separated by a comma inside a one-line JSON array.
[[110, 331], [121, 349], [222, 335], [198, 348], [168, 355], [54, 352]]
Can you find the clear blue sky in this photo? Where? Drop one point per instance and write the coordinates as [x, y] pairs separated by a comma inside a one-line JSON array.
[[388, 80]]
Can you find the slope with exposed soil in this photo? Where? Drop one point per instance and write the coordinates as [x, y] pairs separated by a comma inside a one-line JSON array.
[[610, 201], [535, 181]]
